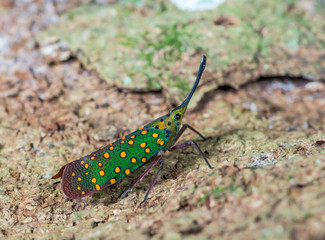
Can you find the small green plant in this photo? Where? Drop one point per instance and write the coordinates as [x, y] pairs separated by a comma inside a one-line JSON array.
[[179, 83], [159, 51], [217, 192]]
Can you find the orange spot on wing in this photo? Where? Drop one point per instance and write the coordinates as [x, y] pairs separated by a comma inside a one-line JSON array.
[[93, 180], [111, 148], [82, 162], [97, 187], [123, 154], [147, 150], [155, 135], [143, 144], [131, 142], [86, 165], [101, 173], [133, 160], [143, 160], [79, 188], [82, 192], [117, 170], [144, 132], [106, 155], [113, 181], [141, 128], [160, 141], [79, 179], [133, 136], [73, 174], [127, 171], [100, 164]]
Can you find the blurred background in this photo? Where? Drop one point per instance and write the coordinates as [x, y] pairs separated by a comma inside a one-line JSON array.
[[78, 75]]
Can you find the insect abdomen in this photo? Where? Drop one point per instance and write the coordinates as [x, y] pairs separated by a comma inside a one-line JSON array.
[[112, 163]]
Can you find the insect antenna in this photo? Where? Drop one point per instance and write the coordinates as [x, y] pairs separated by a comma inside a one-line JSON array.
[[198, 78]]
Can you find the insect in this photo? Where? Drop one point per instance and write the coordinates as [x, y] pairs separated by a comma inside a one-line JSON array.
[[109, 165]]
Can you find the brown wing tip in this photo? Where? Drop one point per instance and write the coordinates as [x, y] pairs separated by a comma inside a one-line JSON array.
[[59, 174]]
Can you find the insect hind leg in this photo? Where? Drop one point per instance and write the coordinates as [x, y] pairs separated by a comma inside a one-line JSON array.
[[154, 163], [161, 163]]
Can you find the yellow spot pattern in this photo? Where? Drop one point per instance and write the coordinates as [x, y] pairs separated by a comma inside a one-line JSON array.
[[133, 136], [147, 150], [122, 141], [82, 162], [100, 164], [117, 170], [161, 125], [133, 160], [123, 154], [106, 155], [87, 173], [144, 132], [73, 174], [97, 187], [123, 138], [160, 141], [86, 165], [131, 142], [155, 135], [141, 128], [79, 179], [101, 173], [113, 181], [143, 160], [111, 148], [143, 145], [79, 188], [127, 171], [94, 180], [82, 192], [92, 158]]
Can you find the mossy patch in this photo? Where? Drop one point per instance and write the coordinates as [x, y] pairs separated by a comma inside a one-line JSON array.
[[152, 46]]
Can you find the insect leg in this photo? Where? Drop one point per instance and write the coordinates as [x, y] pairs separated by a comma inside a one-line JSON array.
[[184, 127], [161, 163], [155, 161], [187, 144]]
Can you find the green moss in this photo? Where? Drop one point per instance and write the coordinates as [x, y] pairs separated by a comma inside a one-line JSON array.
[[143, 51]]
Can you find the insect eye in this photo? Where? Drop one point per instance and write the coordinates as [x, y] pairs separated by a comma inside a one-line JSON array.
[[177, 116]]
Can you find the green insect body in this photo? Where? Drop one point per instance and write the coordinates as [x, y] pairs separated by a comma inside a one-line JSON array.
[[109, 165]]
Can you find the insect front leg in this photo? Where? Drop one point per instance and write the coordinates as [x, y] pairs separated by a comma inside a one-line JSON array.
[[184, 127], [190, 143]]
